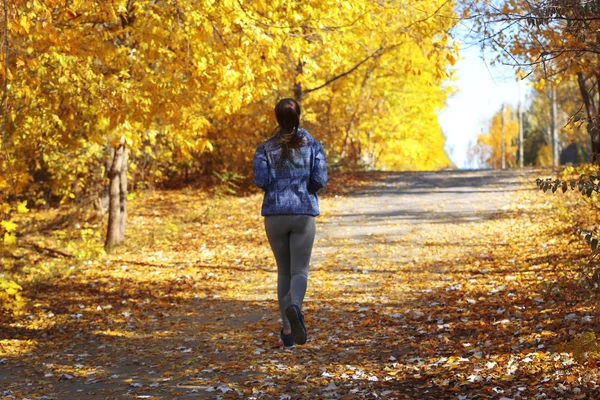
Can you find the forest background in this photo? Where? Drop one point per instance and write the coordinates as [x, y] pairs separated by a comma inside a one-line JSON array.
[[103, 100], [191, 87]]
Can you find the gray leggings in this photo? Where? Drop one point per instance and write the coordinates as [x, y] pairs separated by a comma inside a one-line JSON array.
[[291, 238]]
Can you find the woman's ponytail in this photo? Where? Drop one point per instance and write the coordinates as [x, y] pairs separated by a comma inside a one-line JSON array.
[[287, 112]]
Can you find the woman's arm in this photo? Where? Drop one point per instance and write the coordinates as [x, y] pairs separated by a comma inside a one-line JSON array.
[[261, 169], [318, 173]]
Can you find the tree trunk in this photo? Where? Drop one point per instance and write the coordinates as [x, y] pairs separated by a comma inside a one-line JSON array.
[[298, 86], [123, 194], [555, 144], [594, 132], [104, 197], [503, 143], [592, 117], [521, 162], [117, 206], [4, 103]]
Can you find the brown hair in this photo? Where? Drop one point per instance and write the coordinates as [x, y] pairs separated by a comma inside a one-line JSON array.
[[287, 112]]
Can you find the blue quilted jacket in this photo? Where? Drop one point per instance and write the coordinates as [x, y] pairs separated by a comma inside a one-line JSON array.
[[290, 188]]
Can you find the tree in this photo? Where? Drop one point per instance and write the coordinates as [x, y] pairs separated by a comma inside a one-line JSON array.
[[350, 66], [538, 123], [10, 296], [488, 149], [553, 40]]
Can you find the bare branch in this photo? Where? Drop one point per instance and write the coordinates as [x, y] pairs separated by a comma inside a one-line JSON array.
[[429, 16], [375, 54]]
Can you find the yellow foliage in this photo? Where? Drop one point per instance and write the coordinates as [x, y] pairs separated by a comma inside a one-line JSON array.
[[9, 239], [10, 297], [191, 86], [22, 207], [489, 144], [584, 346], [8, 226], [544, 158]]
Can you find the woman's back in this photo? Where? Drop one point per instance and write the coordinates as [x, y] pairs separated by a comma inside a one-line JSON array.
[[290, 183]]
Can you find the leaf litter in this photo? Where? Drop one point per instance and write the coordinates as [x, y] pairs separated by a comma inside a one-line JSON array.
[[462, 309]]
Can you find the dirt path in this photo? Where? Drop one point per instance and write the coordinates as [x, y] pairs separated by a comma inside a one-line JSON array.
[[423, 286], [398, 204]]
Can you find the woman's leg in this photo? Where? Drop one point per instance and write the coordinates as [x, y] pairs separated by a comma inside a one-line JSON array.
[[302, 237], [278, 232]]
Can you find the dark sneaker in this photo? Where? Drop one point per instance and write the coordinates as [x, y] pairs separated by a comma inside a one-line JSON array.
[[294, 315], [286, 338]]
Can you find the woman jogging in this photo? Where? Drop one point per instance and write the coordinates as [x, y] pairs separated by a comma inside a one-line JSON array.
[[290, 168]]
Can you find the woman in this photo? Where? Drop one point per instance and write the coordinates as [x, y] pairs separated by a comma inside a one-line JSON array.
[[290, 168]]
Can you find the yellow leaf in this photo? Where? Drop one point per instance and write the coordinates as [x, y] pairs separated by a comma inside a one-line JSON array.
[[10, 239], [25, 23], [450, 58], [12, 291], [8, 226], [22, 207]]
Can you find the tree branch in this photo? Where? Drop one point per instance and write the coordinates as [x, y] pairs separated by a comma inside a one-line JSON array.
[[584, 94], [429, 16], [375, 54]]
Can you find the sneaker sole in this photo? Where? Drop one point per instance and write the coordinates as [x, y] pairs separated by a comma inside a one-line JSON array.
[[298, 332]]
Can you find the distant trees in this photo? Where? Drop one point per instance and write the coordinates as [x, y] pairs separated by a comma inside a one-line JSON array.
[[552, 41], [489, 150], [537, 129]]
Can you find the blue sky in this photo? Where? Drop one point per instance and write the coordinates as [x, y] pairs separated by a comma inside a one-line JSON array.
[[481, 89]]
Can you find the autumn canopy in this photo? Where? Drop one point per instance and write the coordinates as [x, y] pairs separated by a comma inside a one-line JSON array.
[[191, 86]]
